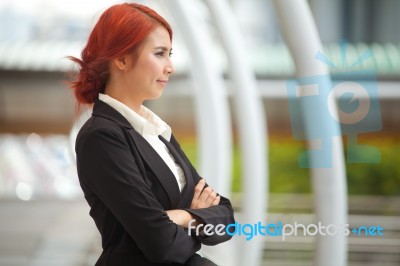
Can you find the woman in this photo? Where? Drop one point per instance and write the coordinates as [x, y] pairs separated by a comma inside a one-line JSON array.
[[142, 190]]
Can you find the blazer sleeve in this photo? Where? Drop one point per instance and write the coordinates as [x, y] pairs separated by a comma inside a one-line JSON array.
[[107, 166], [220, 214]]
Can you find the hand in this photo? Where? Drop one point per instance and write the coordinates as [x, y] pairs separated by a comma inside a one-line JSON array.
[[181, 217], [204, 197]]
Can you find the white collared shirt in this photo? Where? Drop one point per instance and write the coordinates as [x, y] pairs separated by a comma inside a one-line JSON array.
[[150, 126]]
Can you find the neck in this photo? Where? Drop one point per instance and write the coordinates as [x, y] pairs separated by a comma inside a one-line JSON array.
[[123, 97]]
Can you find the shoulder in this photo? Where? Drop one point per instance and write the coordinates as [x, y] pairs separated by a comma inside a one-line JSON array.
[[98, 128]]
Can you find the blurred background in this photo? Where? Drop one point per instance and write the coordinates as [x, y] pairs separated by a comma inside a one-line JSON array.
[[43, 216]]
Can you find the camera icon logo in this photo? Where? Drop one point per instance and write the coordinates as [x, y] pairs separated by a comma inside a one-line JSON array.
[[350, 103]]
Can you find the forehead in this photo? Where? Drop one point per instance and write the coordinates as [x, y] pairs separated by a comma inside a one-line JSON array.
[[158, 37]]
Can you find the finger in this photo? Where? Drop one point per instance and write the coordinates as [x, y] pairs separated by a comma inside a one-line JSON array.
[[211, 198], [199, 188], [216, 201], [204, 194]]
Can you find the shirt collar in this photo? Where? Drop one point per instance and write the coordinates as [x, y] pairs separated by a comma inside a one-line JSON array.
[[145, 123]]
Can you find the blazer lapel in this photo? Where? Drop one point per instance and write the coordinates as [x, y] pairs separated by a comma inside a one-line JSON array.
[[158, 166], [188, 190]]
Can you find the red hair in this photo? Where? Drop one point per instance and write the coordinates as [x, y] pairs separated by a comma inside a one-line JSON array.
[[119, 31]]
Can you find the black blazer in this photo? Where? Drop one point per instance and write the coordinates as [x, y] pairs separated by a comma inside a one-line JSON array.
[[128, 187]]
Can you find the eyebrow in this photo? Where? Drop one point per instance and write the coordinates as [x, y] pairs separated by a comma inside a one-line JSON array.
[[163, 48]]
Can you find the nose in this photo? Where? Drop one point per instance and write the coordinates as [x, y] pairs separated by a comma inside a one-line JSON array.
[[170, 69]]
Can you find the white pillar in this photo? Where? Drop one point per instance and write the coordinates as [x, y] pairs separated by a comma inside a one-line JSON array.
[[212, 110], [329, 183], [252, 128]]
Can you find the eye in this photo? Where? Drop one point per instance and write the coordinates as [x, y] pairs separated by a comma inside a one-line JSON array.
[[163, 53]]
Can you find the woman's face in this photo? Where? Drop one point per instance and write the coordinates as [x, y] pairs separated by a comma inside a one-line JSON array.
[[150, 72]]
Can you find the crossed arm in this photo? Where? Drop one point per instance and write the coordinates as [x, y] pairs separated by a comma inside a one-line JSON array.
[[202, 198]]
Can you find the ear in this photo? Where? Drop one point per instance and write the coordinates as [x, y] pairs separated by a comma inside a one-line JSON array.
[[121, 62]]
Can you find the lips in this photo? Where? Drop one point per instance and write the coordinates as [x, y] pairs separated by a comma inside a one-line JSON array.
[[163, 82]]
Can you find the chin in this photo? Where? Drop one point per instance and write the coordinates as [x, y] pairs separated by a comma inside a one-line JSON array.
[[155, 96]]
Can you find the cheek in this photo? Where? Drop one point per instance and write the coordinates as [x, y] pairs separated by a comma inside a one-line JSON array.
[[149, 69], [154, 66]]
